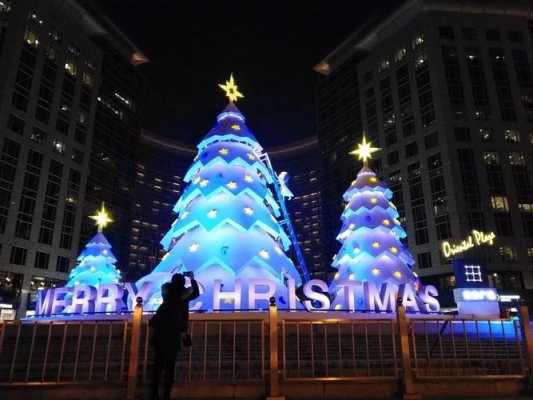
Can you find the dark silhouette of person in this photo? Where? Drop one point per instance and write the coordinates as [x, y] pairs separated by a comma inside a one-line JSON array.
[[169, 325]]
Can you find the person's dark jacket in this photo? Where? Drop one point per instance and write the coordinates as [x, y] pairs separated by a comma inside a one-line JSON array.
[[172, 317]]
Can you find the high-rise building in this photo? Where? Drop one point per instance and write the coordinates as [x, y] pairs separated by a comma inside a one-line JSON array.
[[161, 165], [445, 88], [52, 62]]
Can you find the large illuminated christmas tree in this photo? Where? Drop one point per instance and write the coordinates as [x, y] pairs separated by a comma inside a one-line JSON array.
[[371, 233], [227, 224], [96, 263]]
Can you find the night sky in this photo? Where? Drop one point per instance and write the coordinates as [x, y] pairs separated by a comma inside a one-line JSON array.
[[271, 48]]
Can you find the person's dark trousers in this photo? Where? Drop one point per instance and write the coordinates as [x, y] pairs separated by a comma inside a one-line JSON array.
[[164, 363]]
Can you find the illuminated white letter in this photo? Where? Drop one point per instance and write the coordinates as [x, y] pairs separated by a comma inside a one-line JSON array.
[[83, 299], [109, 298], [431, 304], [291, 293], [384, 300], [218, 295], [44, 301], [409, 299], [254, 296], [59, 300], [317, 296], [353, 290]]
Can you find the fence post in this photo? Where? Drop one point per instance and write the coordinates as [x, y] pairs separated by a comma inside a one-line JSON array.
[[407, 380], [528, 343], [273, 389], [133, 367]]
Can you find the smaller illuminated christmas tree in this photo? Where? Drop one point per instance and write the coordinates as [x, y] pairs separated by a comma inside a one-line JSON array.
[[96, 263], [371, 233]]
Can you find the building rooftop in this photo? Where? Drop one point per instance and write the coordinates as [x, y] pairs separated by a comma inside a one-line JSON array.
[[380, 28], [94, 21]]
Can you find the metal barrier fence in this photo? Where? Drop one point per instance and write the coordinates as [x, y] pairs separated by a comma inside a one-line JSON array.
[[222, 350], [445, 347], [245, 348], [342, 349], [99, 351], [64, 351]]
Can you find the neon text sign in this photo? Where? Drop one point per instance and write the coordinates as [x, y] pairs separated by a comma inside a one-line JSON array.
[[475, 238]]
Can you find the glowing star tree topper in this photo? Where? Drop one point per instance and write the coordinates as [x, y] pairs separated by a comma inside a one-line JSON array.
[[371, 234], [364, 151], [231, 90], [96, 263], [227, 230], [101, 218]]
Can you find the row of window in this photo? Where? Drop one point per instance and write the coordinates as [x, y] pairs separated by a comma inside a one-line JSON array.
[[19, 255], [37, 135]]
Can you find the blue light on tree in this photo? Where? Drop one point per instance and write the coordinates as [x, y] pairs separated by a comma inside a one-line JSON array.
[[96, 263], [227, 226], [371, 233]]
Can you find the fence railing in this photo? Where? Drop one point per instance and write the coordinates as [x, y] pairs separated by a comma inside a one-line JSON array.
[[270, 347], [341, 349], [468, 347]]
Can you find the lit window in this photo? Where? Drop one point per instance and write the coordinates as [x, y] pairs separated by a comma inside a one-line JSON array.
[[418, 41], [512, 136], [32, 15], [507, 253], [71, 69], [400, 55], [123, 99], [491, 158], [526, 207], [485, 134], [32, 39], [421, 60], [517, 159], [530, 254], [59, 147], [383, 65], [87, 79], [499, 203]]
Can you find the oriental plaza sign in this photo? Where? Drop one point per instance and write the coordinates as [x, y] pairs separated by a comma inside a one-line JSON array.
[[475, 238], [351, 296]]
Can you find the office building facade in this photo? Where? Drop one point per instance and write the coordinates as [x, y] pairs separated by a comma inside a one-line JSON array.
[[51, 73], [445, 88]]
